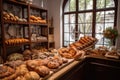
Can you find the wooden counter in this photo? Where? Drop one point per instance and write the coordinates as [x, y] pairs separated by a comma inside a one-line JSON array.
[[94, 67], [63, 70]]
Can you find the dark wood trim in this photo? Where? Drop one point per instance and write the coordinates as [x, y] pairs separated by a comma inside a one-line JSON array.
[[76, 20], [94, 18], [115, 18], [85, 11], [2, 32], [29, 28]]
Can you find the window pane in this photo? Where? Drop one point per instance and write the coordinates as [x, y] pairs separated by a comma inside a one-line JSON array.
[[85, 4], [88, 17], [99, 27], [109, 16], [66, 43], [66, 18], [100, 38], [72, 28], [81, 4], [81, 18], [66, 9], [72, 5], [69, 18], [72, 36], [85, 18], [66, 36], [88, 34], [89, 4], [100, 4], [109, 25], [81, 28], [100, 16], [88, 28], [66, 28], [110, 3], [72, 18], [106, 41], [71, 42]]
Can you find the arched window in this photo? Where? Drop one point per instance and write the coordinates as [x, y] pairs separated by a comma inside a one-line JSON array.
[[87, 17]]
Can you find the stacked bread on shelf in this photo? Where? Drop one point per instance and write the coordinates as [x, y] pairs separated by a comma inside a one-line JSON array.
[[7, 16], [16, 41], [35, 19]]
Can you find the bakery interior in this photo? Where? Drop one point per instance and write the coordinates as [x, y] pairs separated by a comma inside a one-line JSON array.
[[59, 39]]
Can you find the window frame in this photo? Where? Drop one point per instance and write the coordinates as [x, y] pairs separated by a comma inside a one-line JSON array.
[[94, 12]]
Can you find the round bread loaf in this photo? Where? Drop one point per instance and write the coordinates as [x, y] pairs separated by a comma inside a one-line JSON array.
[[42, 70], [31, 76]]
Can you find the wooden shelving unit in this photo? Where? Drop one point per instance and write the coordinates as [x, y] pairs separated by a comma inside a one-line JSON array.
[[51, 43], [24, 25]]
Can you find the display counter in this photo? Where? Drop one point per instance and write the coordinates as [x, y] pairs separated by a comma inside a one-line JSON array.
[[90, 67]]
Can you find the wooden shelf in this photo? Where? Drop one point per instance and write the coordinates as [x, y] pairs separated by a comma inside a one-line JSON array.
[[38, 24], [11, 22], [26, 30], [17, 44], [40, 41]]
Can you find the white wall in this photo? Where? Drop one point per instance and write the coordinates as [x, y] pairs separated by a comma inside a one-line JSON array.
[[54, 11]]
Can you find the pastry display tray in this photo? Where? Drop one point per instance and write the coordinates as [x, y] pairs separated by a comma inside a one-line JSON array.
[[58, 69]]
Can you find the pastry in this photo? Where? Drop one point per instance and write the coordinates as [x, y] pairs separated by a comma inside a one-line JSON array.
[[14, 64], [77, 44], [53, 64], [15, 56], [32, 64], [67, 52], [6, 71], [31, 76], [58, 59], [79, 54], [20, 78], [39, 55], [11, 77], [42, 70], [27, 54], [22, 69]]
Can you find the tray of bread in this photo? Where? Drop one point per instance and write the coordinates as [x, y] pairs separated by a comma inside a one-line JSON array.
[[71, 53], [112, 53], [84, 43], [32, 65]]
